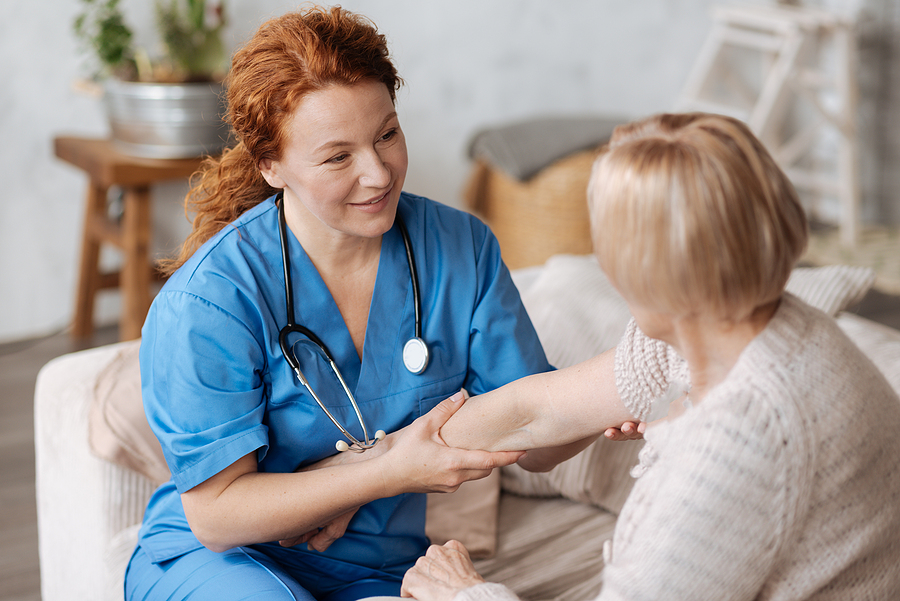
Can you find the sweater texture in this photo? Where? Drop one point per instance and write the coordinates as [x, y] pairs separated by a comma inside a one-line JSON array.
[[782, 484]]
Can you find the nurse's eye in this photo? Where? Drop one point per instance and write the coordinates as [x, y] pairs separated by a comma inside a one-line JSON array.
[[338, 159], [389, 135]]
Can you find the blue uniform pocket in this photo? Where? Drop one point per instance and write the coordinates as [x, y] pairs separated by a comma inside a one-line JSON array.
[[432, 394]]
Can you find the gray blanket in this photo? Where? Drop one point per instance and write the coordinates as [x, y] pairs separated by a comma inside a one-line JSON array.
[[522, 149]]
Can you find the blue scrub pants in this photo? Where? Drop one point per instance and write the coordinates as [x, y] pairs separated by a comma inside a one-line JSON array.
[[249, 573]]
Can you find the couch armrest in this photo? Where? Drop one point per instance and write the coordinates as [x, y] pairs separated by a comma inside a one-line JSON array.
[[83, 503]]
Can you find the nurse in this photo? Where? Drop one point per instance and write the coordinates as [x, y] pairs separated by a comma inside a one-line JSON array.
[[260, 503]]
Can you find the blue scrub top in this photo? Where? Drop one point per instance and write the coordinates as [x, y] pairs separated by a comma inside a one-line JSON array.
[[216, 385]]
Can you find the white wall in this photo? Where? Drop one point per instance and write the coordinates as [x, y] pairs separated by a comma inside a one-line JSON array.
[[467, 64]]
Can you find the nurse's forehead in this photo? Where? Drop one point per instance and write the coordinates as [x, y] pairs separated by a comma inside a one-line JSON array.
[[343, 113]]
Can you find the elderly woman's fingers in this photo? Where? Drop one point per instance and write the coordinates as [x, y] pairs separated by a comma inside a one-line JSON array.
[[627, 431], [440, 574]]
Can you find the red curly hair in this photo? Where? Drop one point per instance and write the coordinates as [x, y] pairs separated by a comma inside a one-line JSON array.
[[289, 57]]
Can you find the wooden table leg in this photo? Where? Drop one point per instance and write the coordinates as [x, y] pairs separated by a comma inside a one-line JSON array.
[[135, 275], [89, 271]]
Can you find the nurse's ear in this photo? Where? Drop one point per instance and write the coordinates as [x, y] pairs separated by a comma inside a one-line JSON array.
[[269, 170]]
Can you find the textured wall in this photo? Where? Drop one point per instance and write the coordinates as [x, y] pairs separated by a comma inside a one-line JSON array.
[[467, 64]]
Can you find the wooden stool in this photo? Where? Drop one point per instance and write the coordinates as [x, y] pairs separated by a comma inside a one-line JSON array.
[[106, 167]]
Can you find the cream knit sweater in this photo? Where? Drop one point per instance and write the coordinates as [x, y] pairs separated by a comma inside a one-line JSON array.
[[784, 483]]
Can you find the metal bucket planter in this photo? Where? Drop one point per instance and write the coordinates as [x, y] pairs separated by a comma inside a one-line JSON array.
[[166, 121]]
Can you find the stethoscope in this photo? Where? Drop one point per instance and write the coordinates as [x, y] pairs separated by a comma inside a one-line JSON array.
[[415, 351]]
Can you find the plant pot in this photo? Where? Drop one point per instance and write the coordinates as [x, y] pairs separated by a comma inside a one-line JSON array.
[[166, 121]]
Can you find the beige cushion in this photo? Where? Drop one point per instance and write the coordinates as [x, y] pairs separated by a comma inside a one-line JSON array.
[[118, 430], [832, 288], [549, 549], [468, 515]]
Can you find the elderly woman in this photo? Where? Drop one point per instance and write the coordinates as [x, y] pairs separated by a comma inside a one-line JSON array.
[[777, 473]]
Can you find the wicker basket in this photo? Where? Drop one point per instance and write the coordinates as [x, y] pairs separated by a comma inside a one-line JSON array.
[[538, 218]]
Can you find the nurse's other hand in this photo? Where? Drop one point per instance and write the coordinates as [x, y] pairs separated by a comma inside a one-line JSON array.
[[321, 538], [440, 574], [628, 431], [418, 460]]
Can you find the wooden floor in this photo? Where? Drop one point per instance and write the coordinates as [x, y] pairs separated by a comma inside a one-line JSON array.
[[19, 365]]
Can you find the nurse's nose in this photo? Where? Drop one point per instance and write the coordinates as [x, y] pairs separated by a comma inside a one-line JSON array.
[[374, 172]]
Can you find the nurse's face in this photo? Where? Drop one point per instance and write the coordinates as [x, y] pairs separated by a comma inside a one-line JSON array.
[[344, 164]]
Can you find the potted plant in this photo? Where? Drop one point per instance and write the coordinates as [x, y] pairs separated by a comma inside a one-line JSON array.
[[167, 105]]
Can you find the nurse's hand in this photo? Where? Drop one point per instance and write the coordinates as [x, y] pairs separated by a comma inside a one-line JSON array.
[[321, 538], [416, 458], [441, 573]]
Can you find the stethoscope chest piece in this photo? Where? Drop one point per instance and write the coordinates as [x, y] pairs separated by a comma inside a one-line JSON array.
[[415, 355]]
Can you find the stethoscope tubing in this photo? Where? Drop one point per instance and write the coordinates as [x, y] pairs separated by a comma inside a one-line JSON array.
[[413, 274], [291, 327]]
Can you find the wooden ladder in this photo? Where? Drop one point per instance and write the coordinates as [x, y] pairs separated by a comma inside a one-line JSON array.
[[807, 59]]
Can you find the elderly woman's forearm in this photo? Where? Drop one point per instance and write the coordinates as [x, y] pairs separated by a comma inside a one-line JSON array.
[[504, 419], [541, 411]]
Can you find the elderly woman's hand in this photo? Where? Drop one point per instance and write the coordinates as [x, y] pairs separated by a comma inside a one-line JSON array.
[[441, 573], [628, 431]]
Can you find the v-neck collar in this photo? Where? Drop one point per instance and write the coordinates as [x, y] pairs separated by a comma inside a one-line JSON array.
[[389, 312]]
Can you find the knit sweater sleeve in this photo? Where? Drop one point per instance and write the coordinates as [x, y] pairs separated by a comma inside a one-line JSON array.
[[488, 591], [646, 370], [708, 521]]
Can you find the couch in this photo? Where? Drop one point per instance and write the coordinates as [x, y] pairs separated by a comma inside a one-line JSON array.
[[541, 534]]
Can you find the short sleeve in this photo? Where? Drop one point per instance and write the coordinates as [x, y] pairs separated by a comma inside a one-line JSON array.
[[202, 386], [646, 369], [503, 344]]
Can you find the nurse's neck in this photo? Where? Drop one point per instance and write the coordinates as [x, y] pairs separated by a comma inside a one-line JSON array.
[[347, 264], [335, 254]]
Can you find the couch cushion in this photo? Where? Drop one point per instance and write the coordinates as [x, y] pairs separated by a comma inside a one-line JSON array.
[[468, 515], [118, 430], [549, 548]]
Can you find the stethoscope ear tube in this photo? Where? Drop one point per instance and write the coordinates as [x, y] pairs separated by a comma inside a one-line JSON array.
[[413, 276], [415, 351]]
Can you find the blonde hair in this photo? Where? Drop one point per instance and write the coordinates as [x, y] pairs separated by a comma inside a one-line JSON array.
[[690, 214], [289, 57]]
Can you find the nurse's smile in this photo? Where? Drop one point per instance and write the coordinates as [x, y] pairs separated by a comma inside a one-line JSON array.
[[375, 205]]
